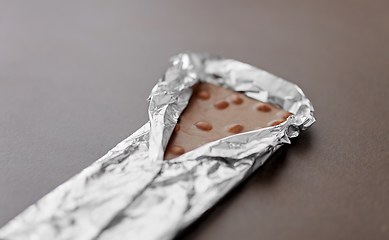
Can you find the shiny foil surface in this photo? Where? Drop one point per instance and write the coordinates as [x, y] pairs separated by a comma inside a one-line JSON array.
[[131, 193]]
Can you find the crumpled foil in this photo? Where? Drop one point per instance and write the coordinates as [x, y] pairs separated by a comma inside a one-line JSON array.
[[131, 193]]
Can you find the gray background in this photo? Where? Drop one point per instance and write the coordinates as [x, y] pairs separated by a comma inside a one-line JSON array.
[[75, 75]]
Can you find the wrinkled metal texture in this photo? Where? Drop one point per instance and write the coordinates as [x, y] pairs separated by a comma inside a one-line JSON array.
[[131, 193]]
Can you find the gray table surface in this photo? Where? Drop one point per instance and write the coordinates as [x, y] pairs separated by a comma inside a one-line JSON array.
[[75, 75]]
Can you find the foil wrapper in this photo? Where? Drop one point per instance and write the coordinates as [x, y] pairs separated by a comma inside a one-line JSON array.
[[131, 193]]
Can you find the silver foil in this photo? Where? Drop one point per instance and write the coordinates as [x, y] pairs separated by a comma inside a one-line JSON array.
[[131, 193]]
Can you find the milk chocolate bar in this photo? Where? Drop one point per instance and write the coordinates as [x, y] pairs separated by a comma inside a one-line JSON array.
[[130, 193], [215, 112]]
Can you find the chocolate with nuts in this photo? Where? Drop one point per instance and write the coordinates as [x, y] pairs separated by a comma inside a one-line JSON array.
[[215, 112]]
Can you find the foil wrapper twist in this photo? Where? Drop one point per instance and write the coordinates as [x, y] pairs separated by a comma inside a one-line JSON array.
[[131, 193]]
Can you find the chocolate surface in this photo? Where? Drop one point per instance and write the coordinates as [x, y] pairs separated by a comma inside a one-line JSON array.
[[215, 112]]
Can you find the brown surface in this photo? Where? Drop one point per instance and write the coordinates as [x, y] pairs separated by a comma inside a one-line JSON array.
[[75, 75], [231, 119]]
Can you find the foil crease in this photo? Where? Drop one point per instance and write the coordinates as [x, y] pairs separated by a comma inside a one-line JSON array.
[[131, 193]]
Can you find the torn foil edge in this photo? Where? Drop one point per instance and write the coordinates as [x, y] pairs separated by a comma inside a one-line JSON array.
[[131, 193]]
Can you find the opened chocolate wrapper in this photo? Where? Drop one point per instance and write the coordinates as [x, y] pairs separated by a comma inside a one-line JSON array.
[[132, 193]]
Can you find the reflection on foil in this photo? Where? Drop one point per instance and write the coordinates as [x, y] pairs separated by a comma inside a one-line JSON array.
[[131, 193]]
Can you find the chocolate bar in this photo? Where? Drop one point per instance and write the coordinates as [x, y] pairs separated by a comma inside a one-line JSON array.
[[215, 112]]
